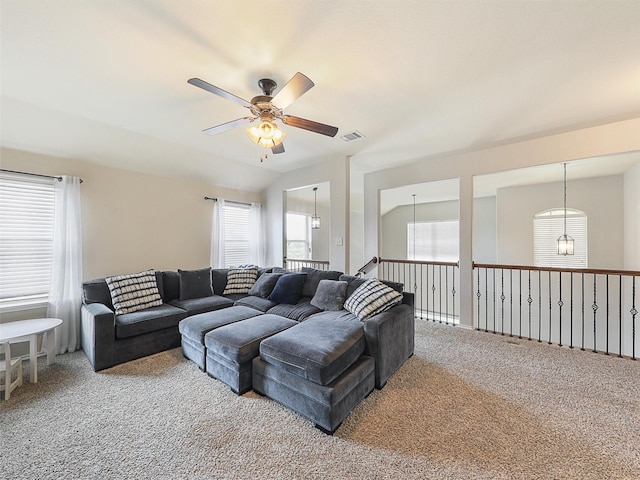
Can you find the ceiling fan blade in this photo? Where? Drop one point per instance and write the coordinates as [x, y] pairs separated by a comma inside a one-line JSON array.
[[310, 125], [295, 88], [278, 149], [218, 91], [227, 126]]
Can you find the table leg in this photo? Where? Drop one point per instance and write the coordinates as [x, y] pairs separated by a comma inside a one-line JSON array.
[[33, 358], [51, 346]]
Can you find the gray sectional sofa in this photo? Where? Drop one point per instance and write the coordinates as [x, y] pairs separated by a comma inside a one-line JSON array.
[[303, 350]]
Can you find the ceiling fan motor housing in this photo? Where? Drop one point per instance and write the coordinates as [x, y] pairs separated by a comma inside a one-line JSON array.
[[267, 85]]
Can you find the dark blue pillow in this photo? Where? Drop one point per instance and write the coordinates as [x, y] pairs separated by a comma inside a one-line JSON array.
[[288, 288]]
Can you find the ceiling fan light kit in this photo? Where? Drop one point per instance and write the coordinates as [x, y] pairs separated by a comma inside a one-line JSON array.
[[266, 134], [268, 109]]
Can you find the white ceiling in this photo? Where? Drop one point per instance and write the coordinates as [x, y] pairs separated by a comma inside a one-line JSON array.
[[106, 81]]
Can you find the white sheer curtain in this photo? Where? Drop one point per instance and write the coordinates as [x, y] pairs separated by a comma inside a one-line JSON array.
[[256, 235], [65, 296], [217, 234]]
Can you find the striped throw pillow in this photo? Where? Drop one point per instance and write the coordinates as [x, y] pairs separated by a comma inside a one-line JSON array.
[[371, 298], [133, 292], [240, 279]]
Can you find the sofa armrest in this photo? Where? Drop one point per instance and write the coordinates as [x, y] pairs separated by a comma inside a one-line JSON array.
[[98, 334], [390, 338]]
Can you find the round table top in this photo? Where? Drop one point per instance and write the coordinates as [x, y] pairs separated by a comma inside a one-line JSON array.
[[22, 328]]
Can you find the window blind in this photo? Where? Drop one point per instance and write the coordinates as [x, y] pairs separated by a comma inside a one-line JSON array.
[[547, 227], [298, 236], [434, 241], [236, 234], [26, 239]]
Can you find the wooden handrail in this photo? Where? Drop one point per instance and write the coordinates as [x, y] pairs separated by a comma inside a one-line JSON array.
[[596, 271], [419, 262], [307, 260], [367, 266]]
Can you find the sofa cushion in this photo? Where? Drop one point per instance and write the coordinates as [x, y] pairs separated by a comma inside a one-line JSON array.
[[195, 283], [298, 312], [219, 280], [240, 280], [171, 282], [371, 298], [239, 341], [330, 295], [288, 288], [148, 320], [203, 304], [313, 279], [133, 292], [318, 349], [264, 284], [96, 291], [196, 327], [259, 303]]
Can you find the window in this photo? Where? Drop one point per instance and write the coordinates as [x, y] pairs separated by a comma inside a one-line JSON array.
[[236, 233], [298, 236], [26, 239], [434, 241], [547, 227]]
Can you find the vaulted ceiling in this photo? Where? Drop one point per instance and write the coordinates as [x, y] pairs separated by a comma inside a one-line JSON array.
[[106, 81]]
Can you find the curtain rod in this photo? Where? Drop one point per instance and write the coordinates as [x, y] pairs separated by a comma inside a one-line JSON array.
[[33, 174], [229, 201]]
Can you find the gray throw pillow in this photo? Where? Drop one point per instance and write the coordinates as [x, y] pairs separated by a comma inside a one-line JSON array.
[[264, 285], [313, 279], [330, 295], [195, 283]]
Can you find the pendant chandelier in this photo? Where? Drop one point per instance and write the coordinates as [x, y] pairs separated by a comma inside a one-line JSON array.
[[315, 219], [565, 242]]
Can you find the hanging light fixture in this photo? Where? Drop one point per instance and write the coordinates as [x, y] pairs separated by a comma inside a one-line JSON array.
[[565, 242], [266, 133], [315, 219]]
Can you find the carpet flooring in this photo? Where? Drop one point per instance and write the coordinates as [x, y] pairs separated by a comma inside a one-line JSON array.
[[467, 405]]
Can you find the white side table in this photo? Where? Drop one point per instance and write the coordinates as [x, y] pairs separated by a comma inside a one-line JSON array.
[[28, 331]]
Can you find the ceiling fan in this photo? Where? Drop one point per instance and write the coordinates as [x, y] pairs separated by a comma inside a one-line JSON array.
[[267, 108]]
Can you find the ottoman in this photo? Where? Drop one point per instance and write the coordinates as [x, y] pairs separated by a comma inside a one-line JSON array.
[[231, 348], [316, 368], [194, 328]]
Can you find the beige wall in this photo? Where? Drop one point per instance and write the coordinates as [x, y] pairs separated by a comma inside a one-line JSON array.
[[133, 221], [607, 139], [601, 198], [631, 218]]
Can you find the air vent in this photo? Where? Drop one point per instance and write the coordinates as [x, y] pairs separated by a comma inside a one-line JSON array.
[[351, 136]]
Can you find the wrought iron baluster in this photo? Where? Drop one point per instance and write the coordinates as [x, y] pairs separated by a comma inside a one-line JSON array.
[[511, 302], [446, 301], [539, 306], [502, 297], [440, 292], [634, 312], [529, 301], [606, 346], [453, 294], [549, 307], [620, 316], [433, 291], [583, 297], [560, 304], [571, 312], [486, 299], [478, 295], [594, 307], [520, 304]]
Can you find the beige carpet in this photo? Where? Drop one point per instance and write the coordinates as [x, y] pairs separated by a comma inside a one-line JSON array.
[[466, 405]]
